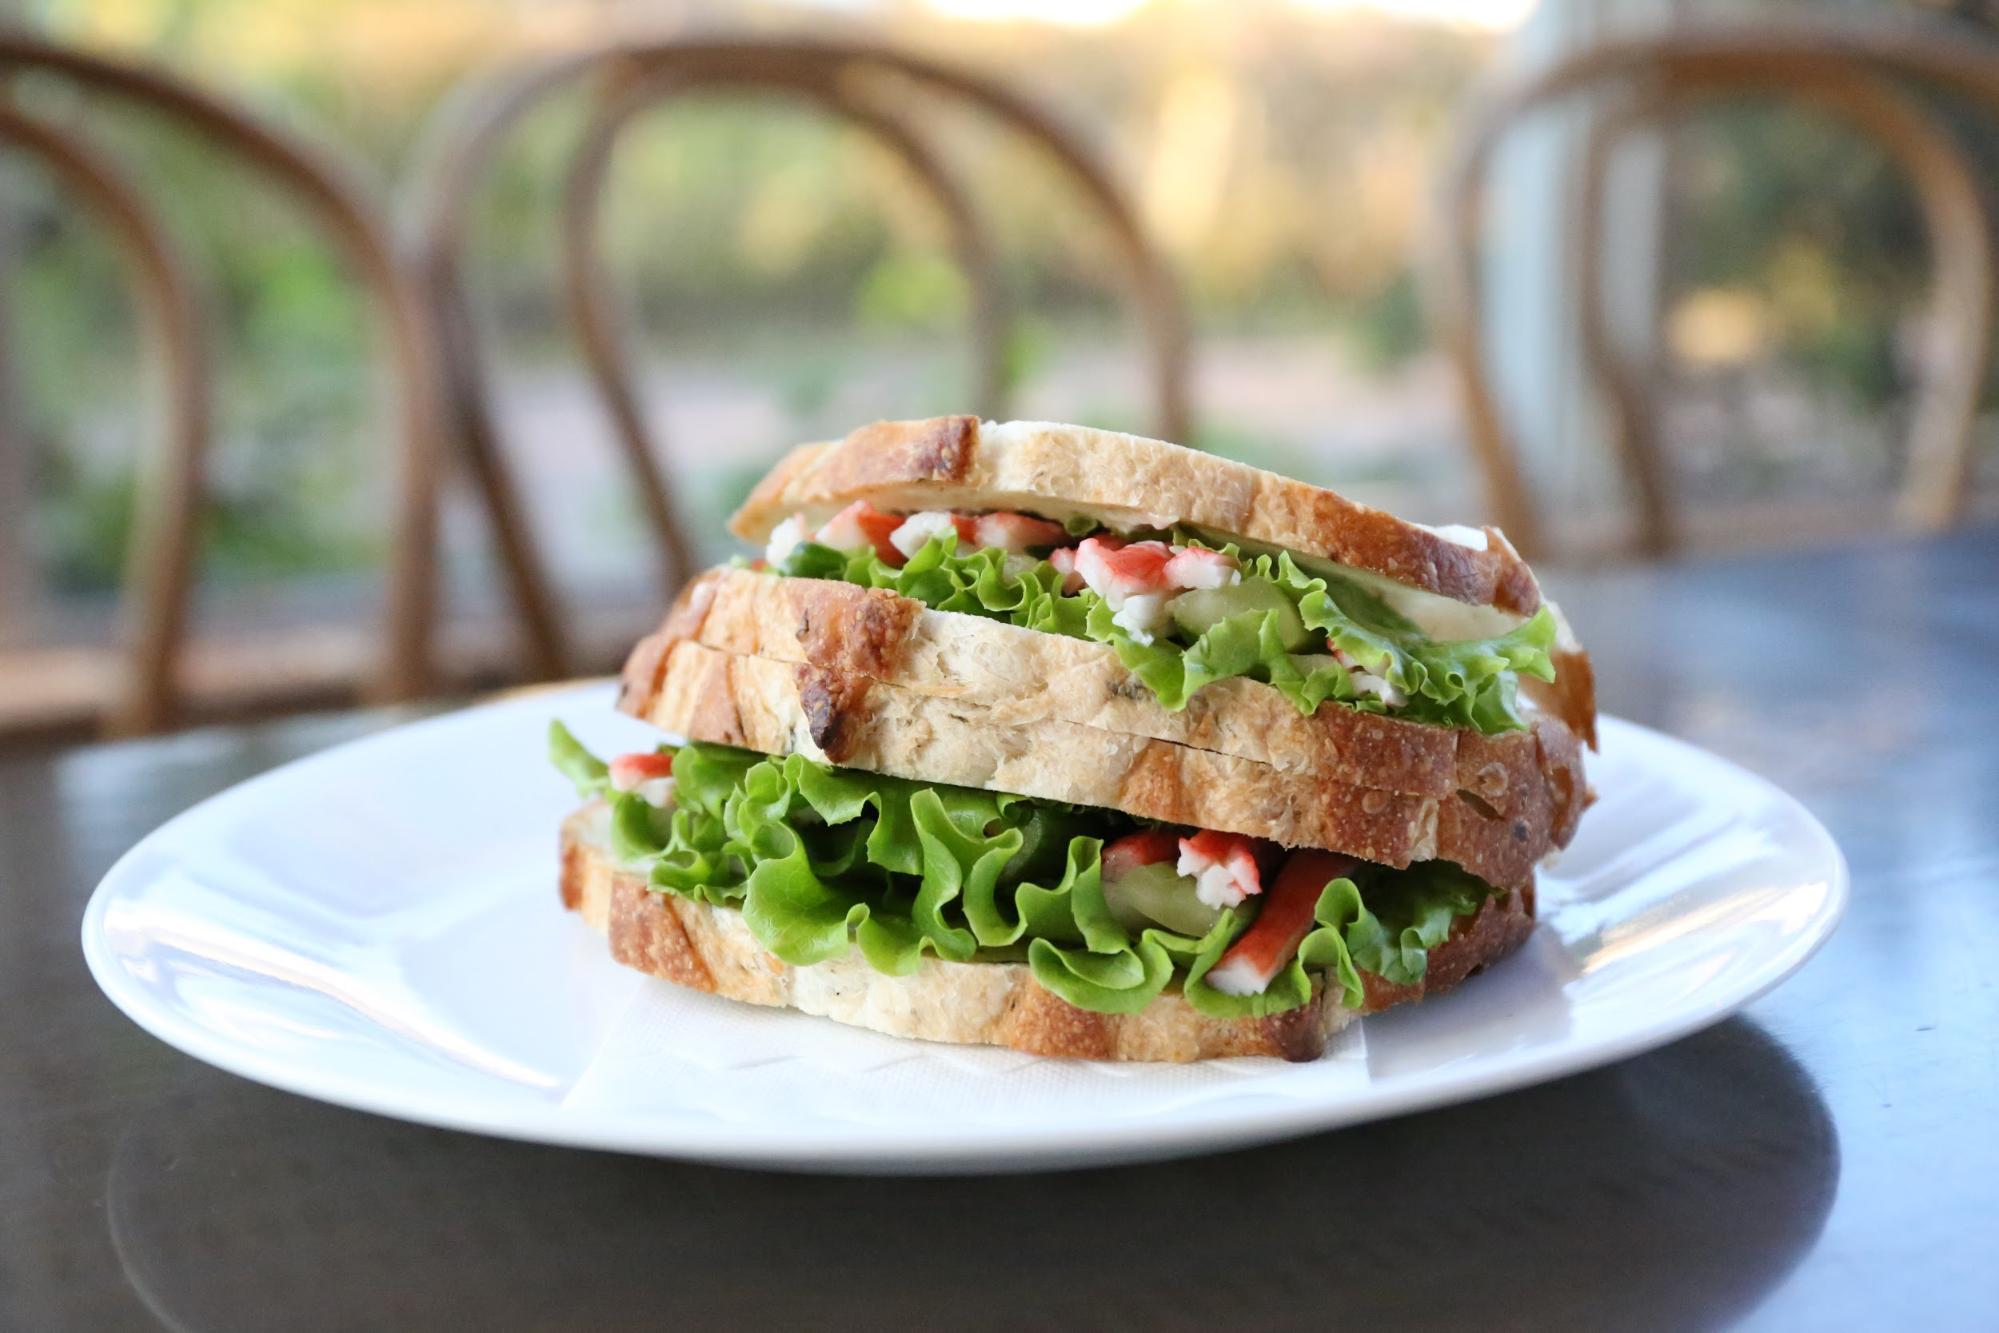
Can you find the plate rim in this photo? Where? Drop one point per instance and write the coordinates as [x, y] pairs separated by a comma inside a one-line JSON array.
[[1025, 1145]]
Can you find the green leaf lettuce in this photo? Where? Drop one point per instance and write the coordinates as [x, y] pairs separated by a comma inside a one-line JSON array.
[[820, 860], [1469, 683]]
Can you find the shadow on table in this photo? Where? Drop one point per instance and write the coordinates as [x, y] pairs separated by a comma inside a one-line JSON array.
[[1668, 1191]]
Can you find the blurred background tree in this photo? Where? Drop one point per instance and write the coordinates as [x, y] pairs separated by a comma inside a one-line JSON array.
[[1798, 274], [789, 282]]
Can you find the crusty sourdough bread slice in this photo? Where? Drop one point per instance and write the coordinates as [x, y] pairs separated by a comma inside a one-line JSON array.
[[1128, 481], [1571, 695], [841, 718], [709, 948], [1020, 675]]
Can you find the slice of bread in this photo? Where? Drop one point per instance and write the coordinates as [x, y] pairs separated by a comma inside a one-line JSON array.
[[1020, 676], [777, 707], [1127, 481], [710, 949]]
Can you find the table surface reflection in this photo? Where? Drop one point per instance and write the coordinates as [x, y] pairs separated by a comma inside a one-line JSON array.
[[1829, 1158]]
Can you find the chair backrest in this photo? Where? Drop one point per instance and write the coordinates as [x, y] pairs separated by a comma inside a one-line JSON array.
[[864, 85], [1845, 73], [162, 552]]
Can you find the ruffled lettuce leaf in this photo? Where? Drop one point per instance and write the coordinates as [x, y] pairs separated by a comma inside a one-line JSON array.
[[1389, 933], [1469, 683], [981, 582], [821, 859], [591, 775]]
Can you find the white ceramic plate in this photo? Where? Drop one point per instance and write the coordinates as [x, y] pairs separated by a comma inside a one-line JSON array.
[[377, 926]]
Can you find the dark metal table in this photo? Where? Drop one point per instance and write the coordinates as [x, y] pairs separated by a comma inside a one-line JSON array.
[[1831, 1159]]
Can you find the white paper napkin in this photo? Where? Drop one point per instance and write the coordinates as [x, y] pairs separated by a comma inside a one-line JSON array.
[[683, 1053]]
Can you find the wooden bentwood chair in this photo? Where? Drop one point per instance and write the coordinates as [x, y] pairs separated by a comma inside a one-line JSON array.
[[881, 92], [1852, 75], [162, 552]]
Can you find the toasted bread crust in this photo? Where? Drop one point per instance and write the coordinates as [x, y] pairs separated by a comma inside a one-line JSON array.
[[1126, 481], [1022, 676], [1501, 925], [1571, 695], [780, 707], [881, 456], [710, 949]]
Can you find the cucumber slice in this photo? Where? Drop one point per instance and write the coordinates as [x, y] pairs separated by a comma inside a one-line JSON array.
[[1200, 610], [1158, 895]]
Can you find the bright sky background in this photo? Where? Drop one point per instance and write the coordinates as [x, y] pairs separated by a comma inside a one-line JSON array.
[[1471, 13], [1494, 14]]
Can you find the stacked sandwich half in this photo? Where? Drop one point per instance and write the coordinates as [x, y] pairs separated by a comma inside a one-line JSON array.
[[1083, 744]]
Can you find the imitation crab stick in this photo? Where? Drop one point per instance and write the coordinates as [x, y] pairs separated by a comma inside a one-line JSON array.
[[1198, 567], [1116, 571], [1225, 866], [1285, 919], [1001, 530], [1143, 848], [1064, 560], [916, 530], [648, 773], [861, 524], [1138, 579], [628, 770], [897, 537], [1131, 580], [1016, 533]]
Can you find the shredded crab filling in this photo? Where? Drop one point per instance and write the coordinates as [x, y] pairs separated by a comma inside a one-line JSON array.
[[649, 776], [1141, 582]]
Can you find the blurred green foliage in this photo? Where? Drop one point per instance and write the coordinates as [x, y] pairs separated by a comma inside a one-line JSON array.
[[755, 230], [1783, 202], [1283, 157]]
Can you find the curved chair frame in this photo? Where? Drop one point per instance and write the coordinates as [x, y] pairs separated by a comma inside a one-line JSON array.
[[592, 305], [469, 133], [164, 547], [159, 556], [1834, 71], [1944, 427]]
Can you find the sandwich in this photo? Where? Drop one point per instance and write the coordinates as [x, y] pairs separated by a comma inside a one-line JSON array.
[[1083, 744]]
